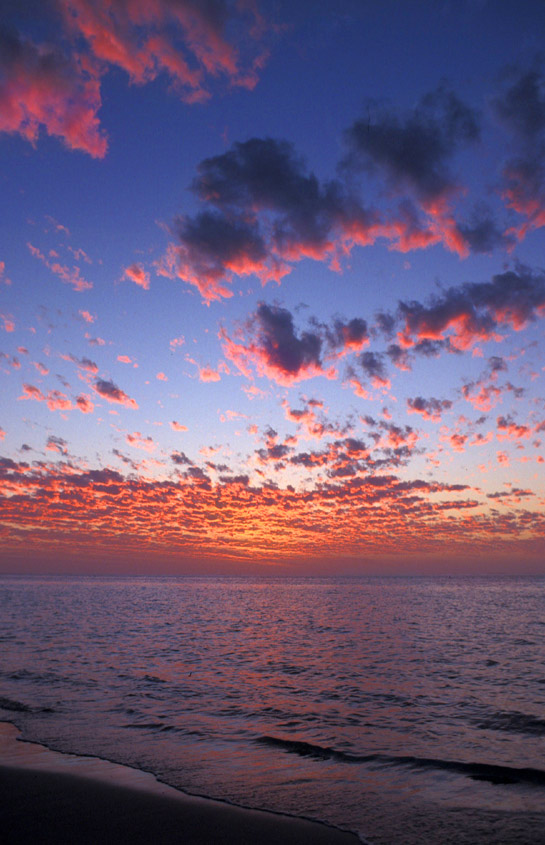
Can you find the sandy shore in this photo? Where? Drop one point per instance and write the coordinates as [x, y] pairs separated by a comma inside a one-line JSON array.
[[49, 798]]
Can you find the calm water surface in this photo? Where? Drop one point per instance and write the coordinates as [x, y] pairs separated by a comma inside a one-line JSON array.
[[406, 709]]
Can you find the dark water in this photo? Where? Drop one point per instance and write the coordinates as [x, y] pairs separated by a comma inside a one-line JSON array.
[[408, 710]]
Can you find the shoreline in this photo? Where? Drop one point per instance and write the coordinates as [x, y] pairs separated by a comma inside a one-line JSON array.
[[53, 797]]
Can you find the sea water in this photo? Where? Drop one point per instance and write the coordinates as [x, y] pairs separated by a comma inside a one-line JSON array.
[[408, 710]]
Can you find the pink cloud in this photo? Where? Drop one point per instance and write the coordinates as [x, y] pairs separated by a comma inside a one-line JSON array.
[[138, 441], [184, 40], [161, 377], [176, 342], [66, 275], [85, 404], [9, 325], [30, 391], [44, 88], [3, 278], [86, 316], [176, 426], [137, 274]]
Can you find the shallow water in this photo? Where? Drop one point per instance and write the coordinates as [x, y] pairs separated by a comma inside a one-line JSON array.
[[406, 709]]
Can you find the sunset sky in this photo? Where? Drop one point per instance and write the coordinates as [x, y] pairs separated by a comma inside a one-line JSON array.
[[272, 286]]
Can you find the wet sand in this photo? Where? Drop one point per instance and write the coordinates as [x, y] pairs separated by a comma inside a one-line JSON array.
[[48, 797]]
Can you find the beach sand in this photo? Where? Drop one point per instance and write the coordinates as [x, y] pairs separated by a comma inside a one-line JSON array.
[[48, 797]]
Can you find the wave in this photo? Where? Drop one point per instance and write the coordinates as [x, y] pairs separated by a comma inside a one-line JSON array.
[[514, 722], [15, 706], [476, 771]]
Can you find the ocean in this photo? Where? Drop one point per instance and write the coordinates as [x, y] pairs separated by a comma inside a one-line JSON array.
[[406, 709]]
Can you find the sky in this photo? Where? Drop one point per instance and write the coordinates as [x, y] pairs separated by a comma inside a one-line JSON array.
[[272, 286]]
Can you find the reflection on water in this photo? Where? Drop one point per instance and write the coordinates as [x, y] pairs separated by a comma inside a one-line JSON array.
[[395, 707]]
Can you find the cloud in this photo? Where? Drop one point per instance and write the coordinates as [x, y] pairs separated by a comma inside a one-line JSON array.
[[57, 444], [82, 363], [372, 364], [212, 248], [355, 508], [185, 40], [346, 337], [414, 152], [85, 404], [87, 316], [475, 311], [274, 349], [265, 211], [521, 108], [55, 399], [483, 234], [57, 89], [312, 420], [109, 391], [42, 87], [176, 426], [137, 274], [3, 278], [68, 276], [268, 175], [138, 441], [8, 322], [508, 429], [30, 391], [181, 459], [176, 342], [431, 409]]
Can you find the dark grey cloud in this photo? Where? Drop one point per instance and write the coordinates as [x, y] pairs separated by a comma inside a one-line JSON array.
[[212, 240], [373, 365], [281, 348], [521, 108], [478, 309], [414, 151], [267, 174], [181, 459], [345, 334], [483, 233], [431, 408], [110, 391]]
